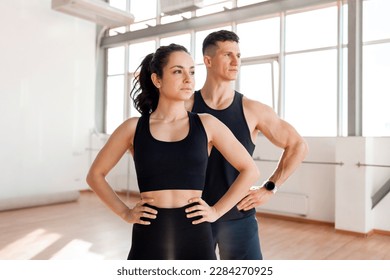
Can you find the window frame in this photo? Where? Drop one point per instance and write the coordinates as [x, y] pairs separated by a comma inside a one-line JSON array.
[[346, 63]]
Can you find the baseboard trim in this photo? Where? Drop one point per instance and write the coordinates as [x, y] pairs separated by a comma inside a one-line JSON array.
[[35, 200], [382, 232], [354, 233], [293, 219]]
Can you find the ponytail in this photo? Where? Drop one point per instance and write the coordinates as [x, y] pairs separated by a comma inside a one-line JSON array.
[[144, 94]]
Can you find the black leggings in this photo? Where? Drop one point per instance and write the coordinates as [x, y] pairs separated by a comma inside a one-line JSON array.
[[172, 236]]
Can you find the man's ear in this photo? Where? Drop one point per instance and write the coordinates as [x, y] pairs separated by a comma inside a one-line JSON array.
[[207, 60], [156, 80]]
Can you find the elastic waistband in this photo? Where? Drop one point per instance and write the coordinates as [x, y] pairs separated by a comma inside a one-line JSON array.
[[171, 216], [171, 209]]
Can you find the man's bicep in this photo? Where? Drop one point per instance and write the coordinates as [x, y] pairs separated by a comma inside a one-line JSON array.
[[278, 131]]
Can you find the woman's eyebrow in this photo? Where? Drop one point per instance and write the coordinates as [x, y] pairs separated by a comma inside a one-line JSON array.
[[180, 66]]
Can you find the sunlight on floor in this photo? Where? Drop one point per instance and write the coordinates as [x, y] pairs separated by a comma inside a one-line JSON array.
[[29, 246], [38, 241], [78, 248]]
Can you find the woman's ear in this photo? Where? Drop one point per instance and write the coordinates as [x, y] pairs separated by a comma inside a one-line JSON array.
[[156, 80]]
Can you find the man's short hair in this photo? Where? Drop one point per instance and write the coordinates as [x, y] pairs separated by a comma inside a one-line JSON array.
[[218, 36]]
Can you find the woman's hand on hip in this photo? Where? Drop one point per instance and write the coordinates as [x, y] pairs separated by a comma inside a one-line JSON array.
[[140, 210], [202, 210]]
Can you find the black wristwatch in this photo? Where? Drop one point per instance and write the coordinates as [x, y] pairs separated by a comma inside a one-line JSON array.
[[270, 186]]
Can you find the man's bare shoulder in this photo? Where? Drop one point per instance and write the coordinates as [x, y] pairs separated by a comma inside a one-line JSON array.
[[256, 107]]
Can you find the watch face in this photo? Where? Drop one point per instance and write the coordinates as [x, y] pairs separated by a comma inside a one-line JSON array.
[[269, 185]]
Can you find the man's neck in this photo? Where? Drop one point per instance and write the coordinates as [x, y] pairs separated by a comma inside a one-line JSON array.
[[217, 94]]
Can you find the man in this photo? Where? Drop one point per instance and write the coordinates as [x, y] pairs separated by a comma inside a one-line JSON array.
[[236, 233]]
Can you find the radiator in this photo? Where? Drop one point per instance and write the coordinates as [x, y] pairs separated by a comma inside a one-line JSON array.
[[288, 203]]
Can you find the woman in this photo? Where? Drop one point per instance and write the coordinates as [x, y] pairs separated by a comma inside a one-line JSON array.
[[170, 147]]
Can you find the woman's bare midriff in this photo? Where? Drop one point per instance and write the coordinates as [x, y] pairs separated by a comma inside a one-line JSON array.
[[171, 198]]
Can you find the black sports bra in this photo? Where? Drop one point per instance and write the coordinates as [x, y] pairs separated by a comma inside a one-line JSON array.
[[170, 165]]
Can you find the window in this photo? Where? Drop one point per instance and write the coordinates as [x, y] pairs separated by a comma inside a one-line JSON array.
[[137, 53], [376, 90], [114, 102], [143, 17], [115, 88], [310, 30], [259, 79], [309, 63], [119, 4], [184, 40], [260, 82], [267, 37], [376, 20], [311, 90], [376, 62], [137, 8]]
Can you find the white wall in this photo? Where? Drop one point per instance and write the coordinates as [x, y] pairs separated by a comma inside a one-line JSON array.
[[316, 181], [378, 152], [47, 72], [355, 185], [122, 177]]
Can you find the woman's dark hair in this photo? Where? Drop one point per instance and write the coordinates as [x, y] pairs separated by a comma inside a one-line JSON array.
[[218, 36], [144, 94]]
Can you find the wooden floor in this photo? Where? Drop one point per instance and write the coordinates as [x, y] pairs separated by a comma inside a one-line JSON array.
[[86, 229]]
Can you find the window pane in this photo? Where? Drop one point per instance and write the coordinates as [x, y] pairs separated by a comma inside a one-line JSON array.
[[345, 24], [376, 20], [376, 90], [116, 60], [311, 93], [200, 76], [119, 4], [143, 10], [267, 34], [344, 101], [314, 29], [256, 82], [184, 40], [200, 36], [137, 53], [114, 103]]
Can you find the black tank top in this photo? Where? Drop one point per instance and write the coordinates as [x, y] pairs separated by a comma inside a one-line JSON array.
[[170, 165], [220, 173]]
